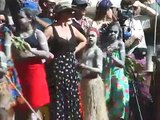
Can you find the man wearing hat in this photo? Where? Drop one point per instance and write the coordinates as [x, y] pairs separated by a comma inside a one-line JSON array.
[[80, 21]]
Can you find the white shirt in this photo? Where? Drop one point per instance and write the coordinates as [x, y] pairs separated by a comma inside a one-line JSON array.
[[136, 30]]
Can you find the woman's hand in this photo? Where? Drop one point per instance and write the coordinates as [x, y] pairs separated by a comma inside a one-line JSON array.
[[51, 56], [109, 51], [80, 66]]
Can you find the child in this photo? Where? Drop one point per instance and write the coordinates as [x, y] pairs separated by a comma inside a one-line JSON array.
[[92, 87], [116, 84]]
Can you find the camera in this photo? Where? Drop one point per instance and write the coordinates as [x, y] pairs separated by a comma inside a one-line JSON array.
[[124, 14]]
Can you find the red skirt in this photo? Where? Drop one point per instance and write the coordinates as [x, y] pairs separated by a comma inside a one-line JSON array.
[[32, 77]]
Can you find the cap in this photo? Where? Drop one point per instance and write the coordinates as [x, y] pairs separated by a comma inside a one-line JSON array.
[[104, 4], [80, 3]]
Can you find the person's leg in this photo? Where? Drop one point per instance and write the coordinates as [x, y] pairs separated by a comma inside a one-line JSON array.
[[27, 115], [157, 96], [3, 114], [6, 114], [45, 112], [33, 116], [20, 114], [11, 114]]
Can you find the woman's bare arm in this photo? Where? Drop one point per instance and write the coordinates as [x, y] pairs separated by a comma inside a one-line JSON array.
[[48, 32], [81, 39]]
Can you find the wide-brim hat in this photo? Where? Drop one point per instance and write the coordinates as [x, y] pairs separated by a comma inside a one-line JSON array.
[[62, 6]]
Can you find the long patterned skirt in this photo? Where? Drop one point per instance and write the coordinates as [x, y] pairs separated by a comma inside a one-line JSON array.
[[117, 94], [65, 82], [116, 89]]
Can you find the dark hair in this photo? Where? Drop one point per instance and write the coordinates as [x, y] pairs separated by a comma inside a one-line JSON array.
[[125, 4], [40, 2], [100, 14], [26, 13], [59, 15], [140, 53], [119, 28], [59, 10], [101, 9]]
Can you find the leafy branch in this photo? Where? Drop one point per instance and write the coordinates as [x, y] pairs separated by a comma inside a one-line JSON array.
[[19, 43]]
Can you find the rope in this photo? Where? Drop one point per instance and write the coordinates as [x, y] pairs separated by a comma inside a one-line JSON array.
[[24, 98]]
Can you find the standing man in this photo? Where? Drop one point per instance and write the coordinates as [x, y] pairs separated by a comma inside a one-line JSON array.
[[80, 21]]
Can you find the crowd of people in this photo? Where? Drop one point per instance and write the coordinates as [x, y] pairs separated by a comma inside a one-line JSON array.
[[57, 63]]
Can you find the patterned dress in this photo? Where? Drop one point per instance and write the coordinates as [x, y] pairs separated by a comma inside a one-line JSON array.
[[11, 72], [116, 89], [64, 79]]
